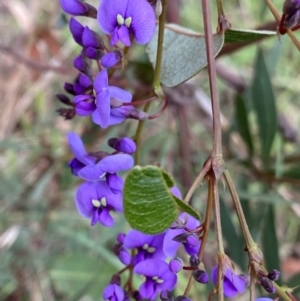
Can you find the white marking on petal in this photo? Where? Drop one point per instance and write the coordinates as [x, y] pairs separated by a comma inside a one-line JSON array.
[[120, 19], [154, 278], [103, 202], [128, 21], [159, 281], [102, 176], [151, 250], [145, 247], [96, 203]]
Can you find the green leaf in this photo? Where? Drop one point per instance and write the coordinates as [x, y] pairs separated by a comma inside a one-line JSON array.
[[242, 122], [245, 35], [149, 205], [184, 54], [264, 105], [187, 208], [269, 240]]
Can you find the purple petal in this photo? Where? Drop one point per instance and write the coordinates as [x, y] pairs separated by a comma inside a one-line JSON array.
[[73, 7], [89, 39], [123, 36], [110, 59], [85, 80], [91, 173], [84, 195], [103, 108], [75, 166], [143, 20], [107, 14], [238, 282], [85, 108], [115, 291], [120, 94], [115, 182], [125, 145], [80, 98], [77, 30], [124, 257], [106, 219], [79, 89], [148, 290], [169, 245], [78, 149], [263, 299], [118, 162], [176, 192], [136, 239], [152, 267], [101, 81]]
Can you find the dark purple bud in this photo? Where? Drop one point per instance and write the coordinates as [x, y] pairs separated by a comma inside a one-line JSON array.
[[136, 295], [136, 114], [182, 298], [64, 99], [76, 30], [112, 58], [200, 276], [69, 88], [291, 9], [165, 295], [268, 285], [194, 261], [80, 64], [93, 53], [125, 145], [66, 113], [91, 11], [192, 240], [274, 275], [79, 89], [78, 8], [115, 103], [175, 265], [121, 237], [116, 279]]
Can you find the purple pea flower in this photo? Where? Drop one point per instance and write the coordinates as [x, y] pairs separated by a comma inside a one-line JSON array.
[[191, 246], [126, 18], [82, 158], [158, 277], [104, 115], [148, 246], [233, 284], [108, 167], [95, 201]]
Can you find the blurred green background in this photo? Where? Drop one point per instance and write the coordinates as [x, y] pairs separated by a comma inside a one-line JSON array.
[[47, 251]]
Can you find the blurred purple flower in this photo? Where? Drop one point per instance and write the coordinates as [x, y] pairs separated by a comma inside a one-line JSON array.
[[78, 8], [148, 246], [158, 277], [108, 167], [82, 158], [95, 201], [233, 284], [113, 292], [124, 145], [170, 246], [104, 115], [126, 18]]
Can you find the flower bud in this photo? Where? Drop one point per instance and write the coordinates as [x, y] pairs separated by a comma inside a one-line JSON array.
[[137, 114], [69, 88], [193, 240], [274, 275], [176, 265], [165, 295], [124, 256], [200, 276], [268, 285], [76, 29], [66, 113], [125, 145], [64, 99], [115, 279], [112, 58], [194, 261], [121, 237], [291, 9]]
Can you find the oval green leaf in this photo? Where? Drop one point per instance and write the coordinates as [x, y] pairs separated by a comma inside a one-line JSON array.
[[245, 35], [184, 54], [149, 205]]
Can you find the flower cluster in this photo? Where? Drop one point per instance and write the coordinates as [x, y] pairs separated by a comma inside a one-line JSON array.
[[155, 257]]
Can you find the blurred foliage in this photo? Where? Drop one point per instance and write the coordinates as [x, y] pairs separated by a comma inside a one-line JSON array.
[[47, 251]]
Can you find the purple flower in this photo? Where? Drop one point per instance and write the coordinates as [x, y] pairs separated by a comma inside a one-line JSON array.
[[126, 18], [170, 246], [148, 246], [95, 201], [112, 58], [84, 105], [233, 284], [264, 299], [104, 116], [82, 158], [113, 292], [158, 277], [108, 167]]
